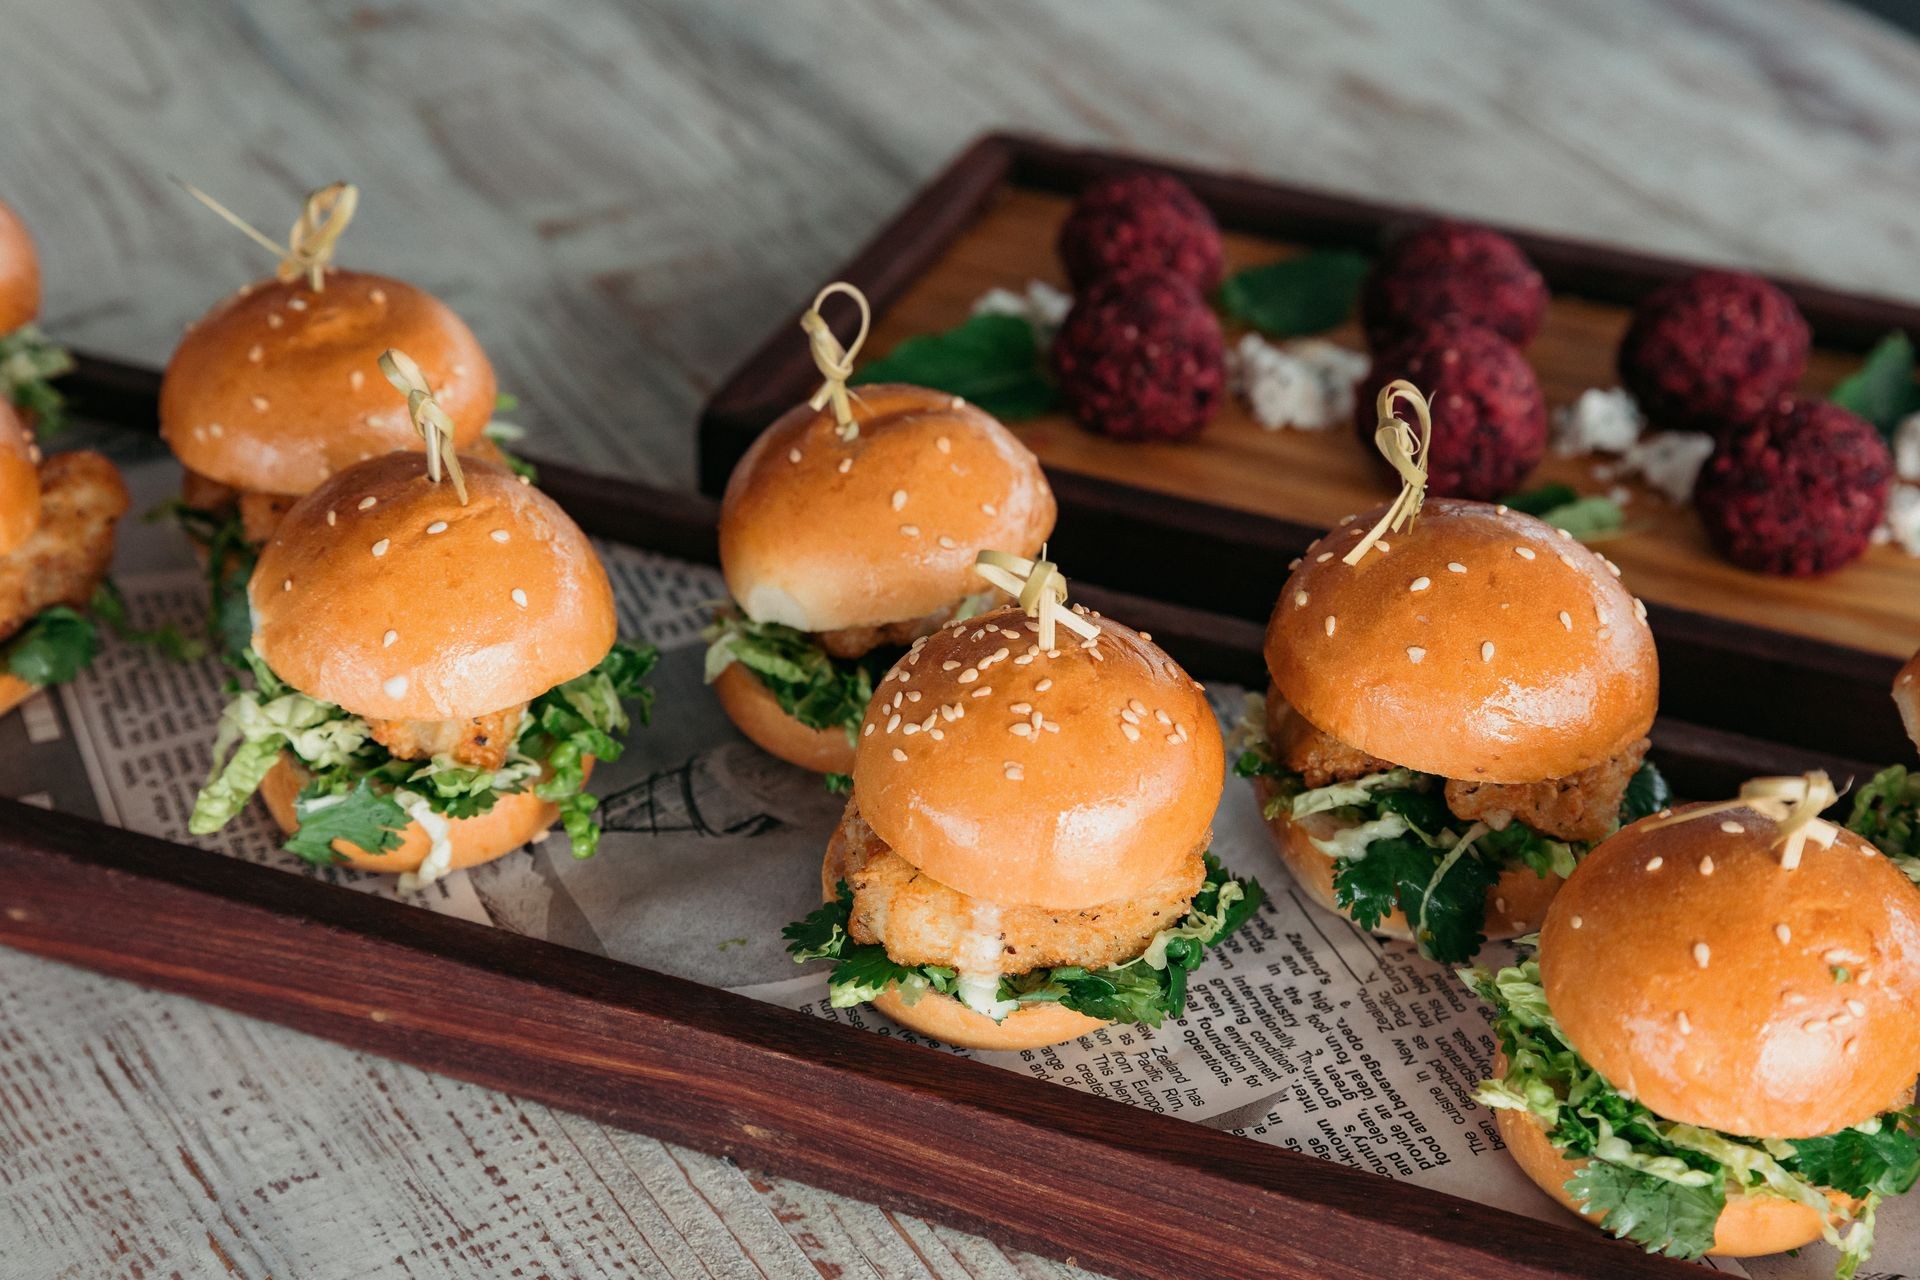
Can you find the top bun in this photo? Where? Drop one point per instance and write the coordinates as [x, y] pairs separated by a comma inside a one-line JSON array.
[[19, 481], [1056, 779], [1906, 696], [1479, 644], [1735, 993], [820, 533], [19, 273], [381, 593], [279, 387]]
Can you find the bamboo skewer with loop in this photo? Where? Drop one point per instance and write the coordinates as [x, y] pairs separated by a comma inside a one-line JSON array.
[[1794, 804], [1407, 453], [429, 419], [308, 252], [1040, 589], [834, 361]]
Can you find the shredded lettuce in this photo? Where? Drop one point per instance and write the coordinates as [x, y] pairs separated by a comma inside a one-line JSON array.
[[362, 794], [1887, 812], [1663, 1184], [1150, 988], [230, 560], [504, 434], [812, 686], [29, 361]]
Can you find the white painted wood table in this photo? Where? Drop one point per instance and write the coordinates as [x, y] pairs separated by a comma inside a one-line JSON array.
[[620, 197]]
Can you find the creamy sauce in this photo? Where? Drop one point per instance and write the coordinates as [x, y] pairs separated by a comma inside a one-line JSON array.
[[978, 983], [439, 859]]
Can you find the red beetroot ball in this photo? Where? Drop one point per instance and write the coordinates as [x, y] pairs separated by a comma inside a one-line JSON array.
[[1141, 222], [1489, 418], [1798, 490], [1712, 350], [1140, 357], [1453, 271]]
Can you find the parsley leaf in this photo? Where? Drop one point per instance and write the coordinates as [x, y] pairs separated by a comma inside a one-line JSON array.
[[1660, 1216], [994, 361], [1647, 794], [368, 819], [1403, 872], [1887, 812], [839, 784], [53, 648], [1884, 1162]]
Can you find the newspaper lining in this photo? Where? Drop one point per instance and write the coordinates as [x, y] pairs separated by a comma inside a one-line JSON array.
[[1301, 1031]]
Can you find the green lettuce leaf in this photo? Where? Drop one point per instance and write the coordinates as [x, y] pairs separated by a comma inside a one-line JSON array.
[[1149, 988], [1306, 294], [1887, 812], [28, 362], [1883, 1159], [51, 649], [818, 690]]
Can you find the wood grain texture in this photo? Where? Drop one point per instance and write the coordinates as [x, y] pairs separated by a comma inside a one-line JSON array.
[[620, 198]]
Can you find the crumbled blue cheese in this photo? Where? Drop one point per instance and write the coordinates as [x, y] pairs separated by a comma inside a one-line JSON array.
[[1903, 519], [1906, 447], [1308, 385], [1041, 305], [1599, 421], [1669, 461]]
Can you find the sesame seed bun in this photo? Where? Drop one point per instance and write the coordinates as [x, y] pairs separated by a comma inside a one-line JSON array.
[[477, 623], [945, 1019], [1906, 696], [19, 273], [279, 387], [981, 799], [1529, 661], [14, 691], [1750, 1225], [513, 820], [820, 533], [19, 481], [1738, 994], [1516, 903], [756, 712]]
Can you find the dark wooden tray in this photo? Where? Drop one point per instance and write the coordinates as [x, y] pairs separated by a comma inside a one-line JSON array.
[[1036, 1165], [1185, 524]]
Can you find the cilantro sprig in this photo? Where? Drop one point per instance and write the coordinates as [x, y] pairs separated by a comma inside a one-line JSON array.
[[230, 559], [1149, 988], [1887, 812], [29, 361]]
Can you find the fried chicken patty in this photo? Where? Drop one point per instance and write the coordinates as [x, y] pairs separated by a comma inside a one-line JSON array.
[[921, 921], [1584, 806], [479, 742], [65, 559], [260, 513], [858, 642]]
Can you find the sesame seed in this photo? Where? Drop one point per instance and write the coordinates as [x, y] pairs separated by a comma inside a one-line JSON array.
[[438, 526], [1655, 863], [1136, 706], [377, 295], [899, 755], [983, 691], [909, 730], [1612, 568], [1044, 685], [1330, 624], [356, 379], [1323, 557], [1021, 730], [1706, 865], [1014, 772], [1299, 599], [1021, 708], [793, 455], [1501, 507], [333, 518], [1839, 955], [1811, 1025], [287, 585], [1701, 954], [1686, 1025], [988, 508], [256, 353], [947, 543], [1576, 922], [215, 430], [1525, 553], [911, 530], [1162, 717], [1133, 734], [1566, 620], [1857, 1009], [1173, 739], [866, 730], [296, 304], [1731, 827], [913, 695], [498, 535], [1347, 520], [1664, 813], [274, 321], [1420, 584], [846, 465], [899, 499], [259, 404], [380, 547], [1381, 547], [1640, 608], [1851, 1045], [1783, 933], [893, 722], [1486, 651], [1500, 905], [949, 665], [1415, 653], [519, 597], [367, 502], [1130, 715], [395, 686], [943, 444], [386, 641], [1454, 566]]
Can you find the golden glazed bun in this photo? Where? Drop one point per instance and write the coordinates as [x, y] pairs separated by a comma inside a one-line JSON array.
[[1906, 696], [1699, 975], [820, 533], [1528, 661], [19, 273], [1750, 1225], [756, 712], [1028, 778], [381, 593], [513, 820], [945, 1019], [19, 481], [279, 387], [1516, 902], [14, 691]]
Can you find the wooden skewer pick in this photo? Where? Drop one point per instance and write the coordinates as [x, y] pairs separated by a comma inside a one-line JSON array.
[[429, 419], [1040, 589], [834, 361], [1407, 452], [316, 232]]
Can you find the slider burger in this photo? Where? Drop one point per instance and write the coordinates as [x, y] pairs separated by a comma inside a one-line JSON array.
[[1459, 708], [434, 662], [1025, 854], [1887, 809], [848, 531], [56, 540], [277, 388], [28, 361], [1714, 1050]]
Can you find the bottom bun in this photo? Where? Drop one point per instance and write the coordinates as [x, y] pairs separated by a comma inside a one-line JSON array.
[[1749, 1226], [945, 1019], [1516, 902], [513, 820], [14, 691], [753, 708]]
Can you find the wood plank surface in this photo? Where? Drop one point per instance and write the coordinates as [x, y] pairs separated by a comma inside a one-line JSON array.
[[621, 198]]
